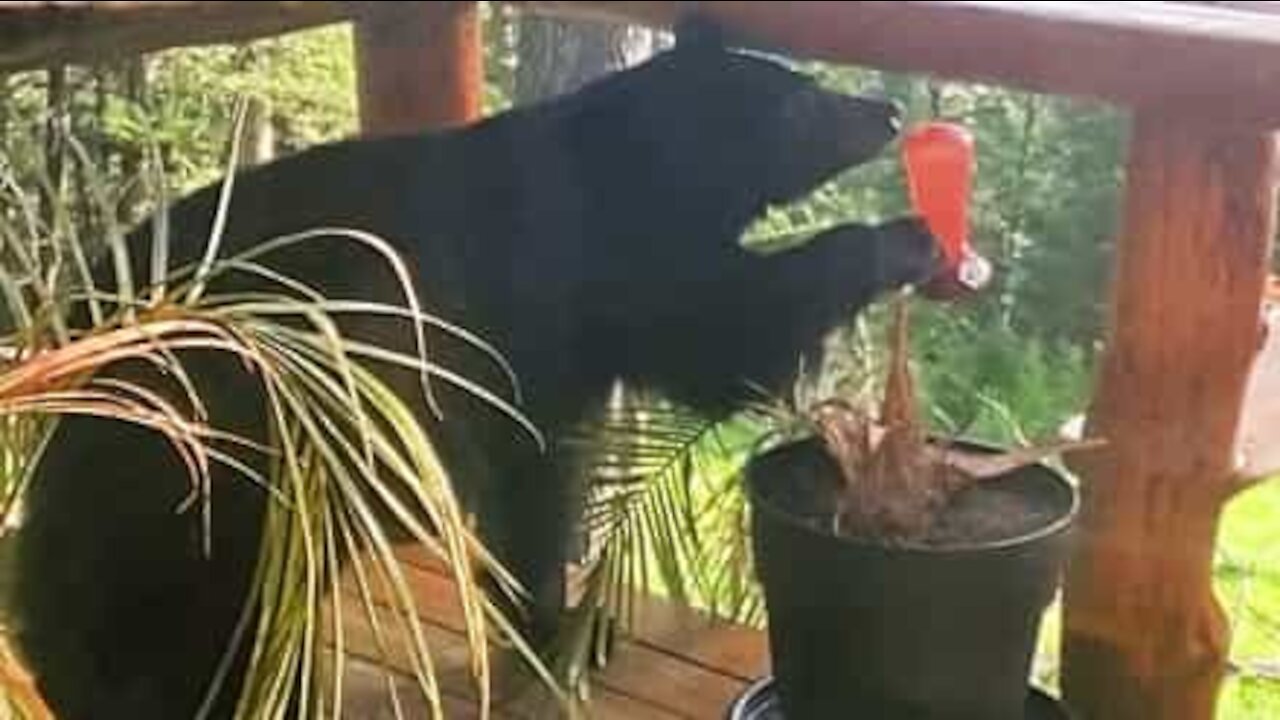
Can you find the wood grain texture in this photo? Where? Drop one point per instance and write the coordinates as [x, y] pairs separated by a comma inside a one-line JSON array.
[[421, 65], [40, 34], [1212, 62], [676, 664], [1144, 636], [1217, 62]]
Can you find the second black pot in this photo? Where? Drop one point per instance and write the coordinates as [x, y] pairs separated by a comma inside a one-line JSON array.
[[862, 629]]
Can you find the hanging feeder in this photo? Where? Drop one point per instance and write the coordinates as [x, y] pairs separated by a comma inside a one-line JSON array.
[[939, 162]]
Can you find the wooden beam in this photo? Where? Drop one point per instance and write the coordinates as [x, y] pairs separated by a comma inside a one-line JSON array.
[[1181, 58], [1144, 636], [420, 65], [1212, 61], [40, 34]]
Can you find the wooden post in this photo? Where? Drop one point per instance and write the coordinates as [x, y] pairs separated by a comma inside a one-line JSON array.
[[1144, 635], [420, 65]]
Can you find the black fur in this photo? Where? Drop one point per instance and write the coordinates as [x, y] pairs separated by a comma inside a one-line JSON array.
[[589, 238]]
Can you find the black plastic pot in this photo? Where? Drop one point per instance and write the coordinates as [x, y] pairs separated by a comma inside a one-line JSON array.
[[760, 701], [860, 629]]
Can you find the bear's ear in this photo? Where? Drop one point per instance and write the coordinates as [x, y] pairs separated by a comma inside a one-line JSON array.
[[695, 32]]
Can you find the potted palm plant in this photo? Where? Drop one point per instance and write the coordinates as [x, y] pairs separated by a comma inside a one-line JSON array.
[[905, 575]]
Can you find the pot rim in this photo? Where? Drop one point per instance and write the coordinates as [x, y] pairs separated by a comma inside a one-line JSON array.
[[765, 686], [1059, 525]]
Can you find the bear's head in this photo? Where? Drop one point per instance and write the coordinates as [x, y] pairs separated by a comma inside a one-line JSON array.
[[704, 134]]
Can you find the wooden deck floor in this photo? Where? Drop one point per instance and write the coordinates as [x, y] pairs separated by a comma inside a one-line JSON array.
[[678, 664]]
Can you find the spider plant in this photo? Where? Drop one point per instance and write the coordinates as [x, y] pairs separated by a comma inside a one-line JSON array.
[[346, 452]]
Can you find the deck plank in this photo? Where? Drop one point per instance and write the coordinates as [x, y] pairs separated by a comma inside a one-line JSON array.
[[676, 664]]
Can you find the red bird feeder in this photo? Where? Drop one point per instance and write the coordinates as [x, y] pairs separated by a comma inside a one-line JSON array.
[[939, 160]]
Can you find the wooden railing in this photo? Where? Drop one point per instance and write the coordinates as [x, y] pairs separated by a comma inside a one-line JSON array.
[[1144, 637]]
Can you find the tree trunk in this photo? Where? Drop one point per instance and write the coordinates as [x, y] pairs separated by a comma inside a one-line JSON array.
[[134, 76], [1144, 635], [258, 143], [4, 114], [56, 126], [558, 56], [258, 146]]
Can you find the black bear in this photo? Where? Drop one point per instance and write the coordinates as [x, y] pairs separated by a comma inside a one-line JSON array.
[[590, 238]]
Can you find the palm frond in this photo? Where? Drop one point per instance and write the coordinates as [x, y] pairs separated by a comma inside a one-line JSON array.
[[665, 514]]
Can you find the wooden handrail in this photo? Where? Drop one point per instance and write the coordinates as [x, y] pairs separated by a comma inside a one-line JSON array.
[[38, 34], [1218, 62]]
